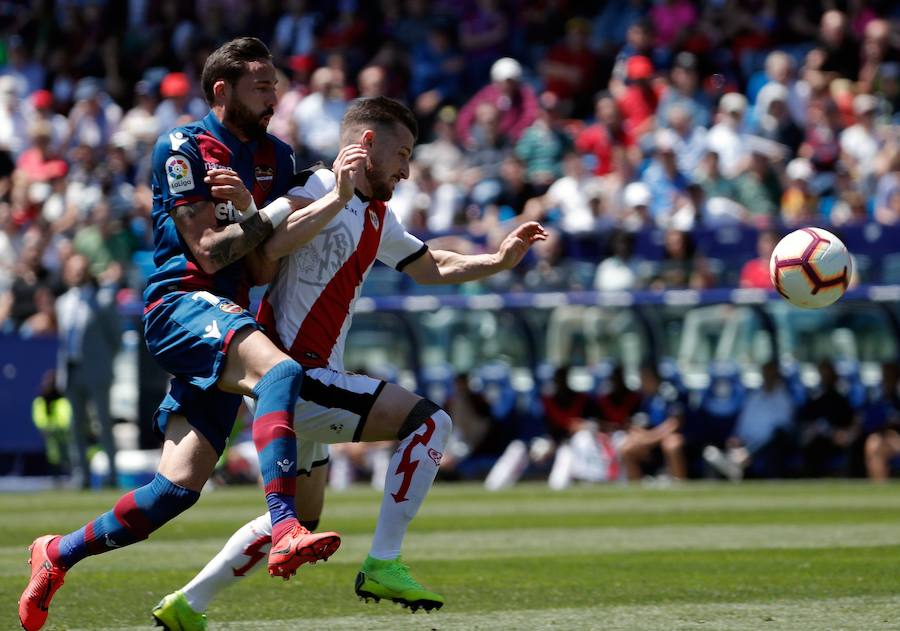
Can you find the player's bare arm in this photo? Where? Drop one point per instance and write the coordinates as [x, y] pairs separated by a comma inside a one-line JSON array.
[[215, 247], [437, 267], [312, 216]]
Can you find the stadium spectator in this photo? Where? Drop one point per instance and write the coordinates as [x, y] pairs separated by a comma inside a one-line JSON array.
[[774, 121], [828, 426], [861, 143], [881, 418], [471, 433], [42, 109], [781, 83], [178, 106], [655, 430], [487, 146], [436, 69], [13, 122], [755, 272], [684, 92], [682, 266], [799, 205], [640, 97], [621, 270], [725, 138], [606, 141], [823, 129], [90, 334], [758, 189], [763, 434], [483, 34], [545, 142], [689, 144], [514, 100], [667, 185], [569, 69], [295, 31], [511, 195], [611, 24], [567, 203], [23, 305], [841, 52], [94, 117], [318, 116], [636, 198]]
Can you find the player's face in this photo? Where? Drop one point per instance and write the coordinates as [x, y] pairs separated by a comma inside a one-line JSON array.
[[388, 160], [251, 101]]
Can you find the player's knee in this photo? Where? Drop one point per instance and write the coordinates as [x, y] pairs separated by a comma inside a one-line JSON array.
[[423, 411], [285, 373]]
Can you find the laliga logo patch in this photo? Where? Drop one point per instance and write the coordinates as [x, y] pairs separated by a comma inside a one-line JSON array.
[[373, 217], [230, 307], [435, 456], [264, 176], [178, 174]]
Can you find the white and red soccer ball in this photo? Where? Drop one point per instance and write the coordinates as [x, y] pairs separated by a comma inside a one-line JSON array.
[[811, 268]]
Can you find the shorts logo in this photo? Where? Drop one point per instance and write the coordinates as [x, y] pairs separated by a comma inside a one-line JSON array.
[[264, 176], [435, 456], [178, 174], [230, 307], [212, 330], [373, 217], [337, 428]]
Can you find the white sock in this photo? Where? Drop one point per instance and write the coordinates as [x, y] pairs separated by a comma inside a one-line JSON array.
[[509, 467], [411, 472], [240, 556], [561, 473]]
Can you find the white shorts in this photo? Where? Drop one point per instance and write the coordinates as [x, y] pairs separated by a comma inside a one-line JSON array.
[[332, 408]]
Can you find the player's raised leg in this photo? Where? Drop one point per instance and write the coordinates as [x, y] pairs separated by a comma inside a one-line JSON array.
[[187, 461], [185, 608], [254, 363], [423, 429]]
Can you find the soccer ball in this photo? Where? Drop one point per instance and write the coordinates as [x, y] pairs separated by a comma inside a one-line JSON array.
[[810, 267]]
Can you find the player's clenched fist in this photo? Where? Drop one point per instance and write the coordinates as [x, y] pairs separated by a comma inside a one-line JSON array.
[[227, 185]]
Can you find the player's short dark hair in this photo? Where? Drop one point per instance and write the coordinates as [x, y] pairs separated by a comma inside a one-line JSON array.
[[380, 110], [229, 62]]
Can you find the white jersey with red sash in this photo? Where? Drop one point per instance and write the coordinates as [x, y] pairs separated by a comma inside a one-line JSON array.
[[310, 302]]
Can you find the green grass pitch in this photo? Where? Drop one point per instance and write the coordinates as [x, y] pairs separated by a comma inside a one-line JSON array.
[[792, 556]]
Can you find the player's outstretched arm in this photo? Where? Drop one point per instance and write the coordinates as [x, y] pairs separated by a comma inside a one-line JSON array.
[[311, 216], [444, 267]]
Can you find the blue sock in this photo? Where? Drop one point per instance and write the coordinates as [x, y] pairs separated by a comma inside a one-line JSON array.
[[274, 437], [132, 519]]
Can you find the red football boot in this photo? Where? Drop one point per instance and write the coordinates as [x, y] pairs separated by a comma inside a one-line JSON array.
[[46, 578], [298, 546]]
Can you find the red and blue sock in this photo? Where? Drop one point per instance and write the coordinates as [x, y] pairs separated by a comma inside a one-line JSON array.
[[132, 519], [275, 440]]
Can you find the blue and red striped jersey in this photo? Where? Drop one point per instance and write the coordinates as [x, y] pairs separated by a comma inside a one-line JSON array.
[[180, 161]]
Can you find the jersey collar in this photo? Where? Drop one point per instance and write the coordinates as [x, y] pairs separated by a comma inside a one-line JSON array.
[[212, 123]]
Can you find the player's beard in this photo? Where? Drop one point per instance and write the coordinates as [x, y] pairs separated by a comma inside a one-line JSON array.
[[379, 183], [243, 118]]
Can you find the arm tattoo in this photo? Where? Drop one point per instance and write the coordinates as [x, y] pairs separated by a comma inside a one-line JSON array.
[[238, 239]]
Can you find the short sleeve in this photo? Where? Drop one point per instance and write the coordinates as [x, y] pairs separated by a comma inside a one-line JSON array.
[[178, 170], [398, 248], [312, 183]]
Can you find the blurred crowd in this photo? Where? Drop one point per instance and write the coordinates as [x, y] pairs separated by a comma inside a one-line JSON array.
[[651, 426], [600, 119]]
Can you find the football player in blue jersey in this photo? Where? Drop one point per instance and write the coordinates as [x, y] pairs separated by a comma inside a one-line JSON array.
[[197, 327]]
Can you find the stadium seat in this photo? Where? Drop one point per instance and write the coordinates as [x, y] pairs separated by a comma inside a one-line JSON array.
[[720, 402], [435, 382], [850, 383], [790, 372], [495, 384]]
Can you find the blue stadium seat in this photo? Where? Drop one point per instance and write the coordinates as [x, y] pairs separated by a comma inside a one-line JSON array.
[[790, 372], [850, 383], [382, 281], [436, 382], [721, 402], [496, 387]]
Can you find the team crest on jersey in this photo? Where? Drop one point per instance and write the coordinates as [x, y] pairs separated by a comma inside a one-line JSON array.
[[373, 217], [264, 176], [178, 173], [321, 259], [230, 307]]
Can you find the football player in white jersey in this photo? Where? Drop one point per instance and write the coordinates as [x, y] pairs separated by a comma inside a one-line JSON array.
[[322, 255]]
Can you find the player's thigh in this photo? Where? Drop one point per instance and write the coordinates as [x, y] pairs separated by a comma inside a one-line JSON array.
[[250, 355], [188, 458], [389, 413]]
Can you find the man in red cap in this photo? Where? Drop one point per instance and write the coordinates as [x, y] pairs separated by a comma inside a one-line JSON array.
[[178, 106], [639, 100]]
